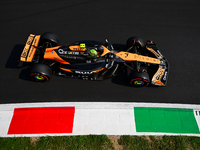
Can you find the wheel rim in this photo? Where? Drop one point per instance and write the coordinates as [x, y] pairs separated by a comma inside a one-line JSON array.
[[39, 77], [139, 82]]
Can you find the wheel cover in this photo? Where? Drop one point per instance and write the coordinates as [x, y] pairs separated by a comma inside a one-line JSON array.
[[39, 77], [139, 82]]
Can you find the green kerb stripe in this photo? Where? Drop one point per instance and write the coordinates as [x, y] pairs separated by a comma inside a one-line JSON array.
[[168, 120]]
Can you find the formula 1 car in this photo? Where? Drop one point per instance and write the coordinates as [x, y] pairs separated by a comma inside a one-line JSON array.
[[92, 60]]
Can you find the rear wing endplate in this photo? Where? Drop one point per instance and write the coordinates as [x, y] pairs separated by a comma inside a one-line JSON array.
[[30, 48]]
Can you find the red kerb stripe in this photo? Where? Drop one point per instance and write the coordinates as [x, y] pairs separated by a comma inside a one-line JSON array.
[[41, 120]]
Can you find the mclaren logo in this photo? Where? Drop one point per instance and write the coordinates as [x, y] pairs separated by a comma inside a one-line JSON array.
[[83, 72]]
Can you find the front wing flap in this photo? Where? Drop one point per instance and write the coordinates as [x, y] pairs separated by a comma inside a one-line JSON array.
[[161, 75]]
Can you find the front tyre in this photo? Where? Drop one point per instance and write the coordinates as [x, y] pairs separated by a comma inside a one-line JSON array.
[[139, 79], [40, 73], [49, 39], [135, 41]]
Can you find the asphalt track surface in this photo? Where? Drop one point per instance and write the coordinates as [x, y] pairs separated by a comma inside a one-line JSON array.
[[174, 25]]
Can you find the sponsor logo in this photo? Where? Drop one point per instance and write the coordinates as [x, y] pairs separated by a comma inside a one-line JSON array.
[[160, 53], [75, 53], [157, 54], [88, 61], [34, 42], [102, 60], [85, 78], [159, 74], [61, 51], [61, 74], [24, 54], [83, 72], [165, 76], [29, 41], [31, 51], [76, 49]]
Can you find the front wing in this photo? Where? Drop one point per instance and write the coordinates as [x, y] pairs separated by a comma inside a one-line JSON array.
[[161, 75]]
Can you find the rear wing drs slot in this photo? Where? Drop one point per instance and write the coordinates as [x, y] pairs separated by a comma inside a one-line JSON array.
[[30, 48]]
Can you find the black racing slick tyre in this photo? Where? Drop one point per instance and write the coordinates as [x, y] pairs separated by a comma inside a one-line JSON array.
[[139, 79], [138, 42], [49, 38], [135, 41], [40, 73]]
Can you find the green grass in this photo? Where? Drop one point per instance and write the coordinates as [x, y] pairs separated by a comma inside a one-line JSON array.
[[91, 142], [101, 142], [159, 143]]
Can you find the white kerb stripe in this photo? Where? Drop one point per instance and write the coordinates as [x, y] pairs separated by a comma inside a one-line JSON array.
[[104, 121], [5, 119]]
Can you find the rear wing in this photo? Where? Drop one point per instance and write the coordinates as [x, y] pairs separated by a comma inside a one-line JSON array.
[[30, 48]]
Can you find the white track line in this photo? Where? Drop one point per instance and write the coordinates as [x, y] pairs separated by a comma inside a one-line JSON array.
[[98, 105]]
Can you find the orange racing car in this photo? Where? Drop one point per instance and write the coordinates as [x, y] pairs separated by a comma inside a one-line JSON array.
[[92, 60]]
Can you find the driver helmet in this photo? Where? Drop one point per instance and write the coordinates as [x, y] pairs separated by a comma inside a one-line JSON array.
[[93, 52]]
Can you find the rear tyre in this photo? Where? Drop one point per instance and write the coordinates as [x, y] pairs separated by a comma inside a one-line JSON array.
[[40, 73], [49, 38], [139, 79]]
